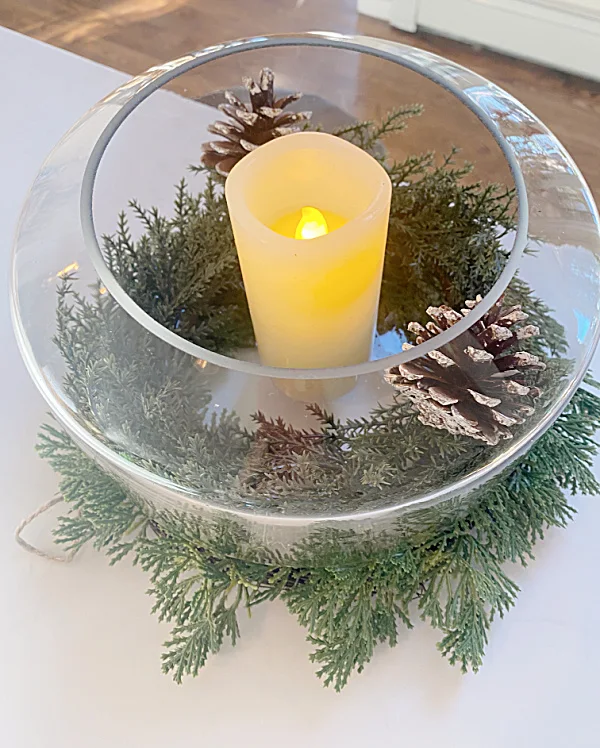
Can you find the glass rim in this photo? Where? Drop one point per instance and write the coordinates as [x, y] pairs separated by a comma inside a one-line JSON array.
[[421, 62]]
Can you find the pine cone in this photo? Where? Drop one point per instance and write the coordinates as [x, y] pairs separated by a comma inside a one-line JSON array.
[[476, 385], [251, 124]]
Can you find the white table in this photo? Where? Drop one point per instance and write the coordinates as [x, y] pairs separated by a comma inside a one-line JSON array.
[[81, 653]]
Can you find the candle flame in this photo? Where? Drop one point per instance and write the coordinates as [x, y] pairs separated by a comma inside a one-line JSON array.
[[311, 225]]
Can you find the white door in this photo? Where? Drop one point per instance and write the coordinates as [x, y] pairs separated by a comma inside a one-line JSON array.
[[564, 34]]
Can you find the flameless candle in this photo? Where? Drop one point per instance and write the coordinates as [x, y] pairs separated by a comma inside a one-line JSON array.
[[310, 213]]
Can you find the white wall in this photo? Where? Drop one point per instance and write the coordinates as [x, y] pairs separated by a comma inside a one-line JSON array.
[[564, 34]]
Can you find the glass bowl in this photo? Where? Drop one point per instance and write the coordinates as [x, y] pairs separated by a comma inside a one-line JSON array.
[[204, 431]]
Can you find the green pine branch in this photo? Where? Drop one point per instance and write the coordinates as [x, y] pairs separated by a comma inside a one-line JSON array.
[[368, 134], [349, 600]]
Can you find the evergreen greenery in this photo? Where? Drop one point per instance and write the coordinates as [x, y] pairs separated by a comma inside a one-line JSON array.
[[147, 403], [448, 573]]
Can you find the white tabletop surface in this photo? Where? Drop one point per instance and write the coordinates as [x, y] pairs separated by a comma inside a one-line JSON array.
[[80, 663]]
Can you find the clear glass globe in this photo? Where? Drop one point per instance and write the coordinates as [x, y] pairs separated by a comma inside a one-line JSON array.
[[191, 422]]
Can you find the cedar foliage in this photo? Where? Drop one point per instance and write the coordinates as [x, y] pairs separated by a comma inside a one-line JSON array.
[[449, 574]]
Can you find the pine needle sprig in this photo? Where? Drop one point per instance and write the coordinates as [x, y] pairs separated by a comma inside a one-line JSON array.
[[184, 271], [368, 134], [444, 235]]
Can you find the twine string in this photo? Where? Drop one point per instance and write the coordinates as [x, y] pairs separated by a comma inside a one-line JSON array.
[[63, 557]]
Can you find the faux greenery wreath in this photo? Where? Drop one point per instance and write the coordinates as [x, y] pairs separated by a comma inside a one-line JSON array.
[[444, 245]]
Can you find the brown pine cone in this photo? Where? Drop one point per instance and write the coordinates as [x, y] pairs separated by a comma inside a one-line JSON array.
[[475, 385], [251, 124]]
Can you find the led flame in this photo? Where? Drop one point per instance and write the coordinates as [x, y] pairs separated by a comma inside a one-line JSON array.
[[311, 225]]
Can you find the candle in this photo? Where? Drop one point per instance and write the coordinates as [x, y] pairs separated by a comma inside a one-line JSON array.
[[309, 213]]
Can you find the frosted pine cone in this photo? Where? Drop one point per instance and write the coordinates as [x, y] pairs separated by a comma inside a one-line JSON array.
[[250, 125], [475, 385]]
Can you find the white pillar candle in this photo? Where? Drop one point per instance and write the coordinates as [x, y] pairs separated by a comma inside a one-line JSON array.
[[313, 301]]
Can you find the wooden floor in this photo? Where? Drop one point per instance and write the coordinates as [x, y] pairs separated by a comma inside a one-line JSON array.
[[132, 35]]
